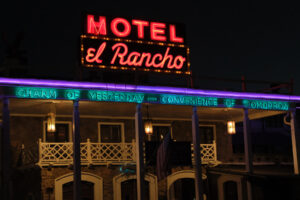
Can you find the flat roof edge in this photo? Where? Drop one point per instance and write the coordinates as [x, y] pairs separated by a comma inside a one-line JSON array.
[[141, 88]]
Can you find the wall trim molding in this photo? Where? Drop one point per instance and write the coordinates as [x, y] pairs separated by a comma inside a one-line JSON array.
[[152, 179], [89, 177]]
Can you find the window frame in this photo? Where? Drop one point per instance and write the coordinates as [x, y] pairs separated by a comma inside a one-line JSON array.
[[214, 129], [112, 123], [58, 122], [161, 124], [224, 178]]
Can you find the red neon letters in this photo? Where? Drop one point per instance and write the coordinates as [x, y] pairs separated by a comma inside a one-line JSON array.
[[173, 36], [122, 28], [158, 31], [134, 44], [96, 28], [140, 25], [121, 56], [116, 31], [91, 57], [138, 59]]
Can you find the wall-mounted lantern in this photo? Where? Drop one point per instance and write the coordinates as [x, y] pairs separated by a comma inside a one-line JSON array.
[[148, 124], [51, 123], [51, 119], [231, 127]]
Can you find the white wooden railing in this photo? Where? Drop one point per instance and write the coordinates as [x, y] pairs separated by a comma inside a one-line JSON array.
[[208, 153], [60, 154]]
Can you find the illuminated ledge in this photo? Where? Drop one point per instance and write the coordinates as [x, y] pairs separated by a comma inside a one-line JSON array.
[[141, 88]]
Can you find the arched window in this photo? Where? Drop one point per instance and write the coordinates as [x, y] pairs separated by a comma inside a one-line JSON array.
[[87, 190], [181, 183], [92, 187], [129, 192], [125, 187], [230, 187], [230, 190], [183, 188]]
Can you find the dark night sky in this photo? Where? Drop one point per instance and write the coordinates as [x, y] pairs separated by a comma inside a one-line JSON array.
[[258, 39]]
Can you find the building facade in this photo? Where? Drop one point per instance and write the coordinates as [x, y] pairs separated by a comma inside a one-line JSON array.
[[103, 123]]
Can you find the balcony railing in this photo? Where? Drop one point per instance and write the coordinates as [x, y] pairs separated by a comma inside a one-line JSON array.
[[61, 154], [208, 153]]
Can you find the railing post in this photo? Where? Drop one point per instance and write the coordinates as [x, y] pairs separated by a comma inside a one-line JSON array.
[[76, 153], [215, 150], [124, 154], [40, 151], [133, 150], [89, 152], [197, 155], [140, 170], [6, 182]]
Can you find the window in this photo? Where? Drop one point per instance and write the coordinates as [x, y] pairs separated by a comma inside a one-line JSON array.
[[125, 187], [128, 190], [183, 188], [111, 132], [92, 187], [87, 190], [230, 190], [274, 121], [207, 134], [153, 142], [63, 132], [160, 131]]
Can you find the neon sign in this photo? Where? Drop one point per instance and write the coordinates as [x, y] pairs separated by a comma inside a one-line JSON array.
[[36, 93], [123, 44], [95, 95], [266, 105], [189, 100], [134, 29], [143, 97], [229, 103]]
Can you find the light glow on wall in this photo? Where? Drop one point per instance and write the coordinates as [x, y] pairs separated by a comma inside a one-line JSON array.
[[231, 127]]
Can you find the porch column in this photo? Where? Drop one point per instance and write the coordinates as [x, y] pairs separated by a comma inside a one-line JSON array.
[[6, 185], [295, 133], [76, 152], [139, 137], [248, 151], [197, 156]]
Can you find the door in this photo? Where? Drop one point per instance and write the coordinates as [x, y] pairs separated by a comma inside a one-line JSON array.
[[87, 190]]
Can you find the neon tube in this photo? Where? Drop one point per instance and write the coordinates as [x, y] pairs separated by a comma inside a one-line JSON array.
[[141, 88]]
